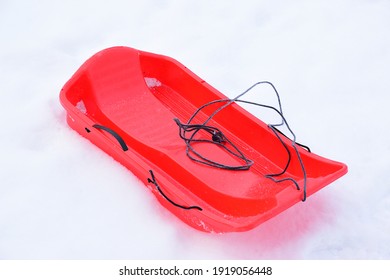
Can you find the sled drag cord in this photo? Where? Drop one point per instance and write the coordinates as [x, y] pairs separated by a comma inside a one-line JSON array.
[[188, 131]]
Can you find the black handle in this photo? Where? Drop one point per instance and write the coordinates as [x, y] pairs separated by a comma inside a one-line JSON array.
[[114, 134], [154, 182]]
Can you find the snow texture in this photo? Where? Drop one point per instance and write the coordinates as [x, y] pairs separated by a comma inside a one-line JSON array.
[[63, 198], [152, 82], [81, 106]]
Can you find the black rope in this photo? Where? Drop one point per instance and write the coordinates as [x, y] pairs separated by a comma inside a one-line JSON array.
[[188, 131], [217, 138], [299, 144], [154, 182]]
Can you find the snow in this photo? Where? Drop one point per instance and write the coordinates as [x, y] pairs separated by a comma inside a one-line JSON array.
[[152, 82], [81, 106], [63, 198]]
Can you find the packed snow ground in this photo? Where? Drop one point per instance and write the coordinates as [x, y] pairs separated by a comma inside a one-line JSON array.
[[63, 198]]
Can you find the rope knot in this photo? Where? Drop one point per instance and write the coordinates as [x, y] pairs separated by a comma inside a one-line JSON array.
[[218, 137]]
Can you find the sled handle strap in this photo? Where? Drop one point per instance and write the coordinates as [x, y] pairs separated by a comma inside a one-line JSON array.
[[114, 134], [154, 182]]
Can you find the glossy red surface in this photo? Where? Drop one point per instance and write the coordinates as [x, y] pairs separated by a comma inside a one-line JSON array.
[[138, 94]]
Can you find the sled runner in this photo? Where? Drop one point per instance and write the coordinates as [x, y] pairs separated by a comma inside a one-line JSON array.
[[206, 159]]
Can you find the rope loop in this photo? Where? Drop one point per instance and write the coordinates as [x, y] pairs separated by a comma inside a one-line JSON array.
[[188, 132]]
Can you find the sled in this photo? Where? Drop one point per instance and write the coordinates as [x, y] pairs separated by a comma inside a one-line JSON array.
[[221, 171]]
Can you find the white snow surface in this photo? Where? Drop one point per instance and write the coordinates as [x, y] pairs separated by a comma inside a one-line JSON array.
[[63, 198], [152, 82]]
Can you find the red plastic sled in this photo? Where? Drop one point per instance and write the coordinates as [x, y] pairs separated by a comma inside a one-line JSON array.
[[125, 101]]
